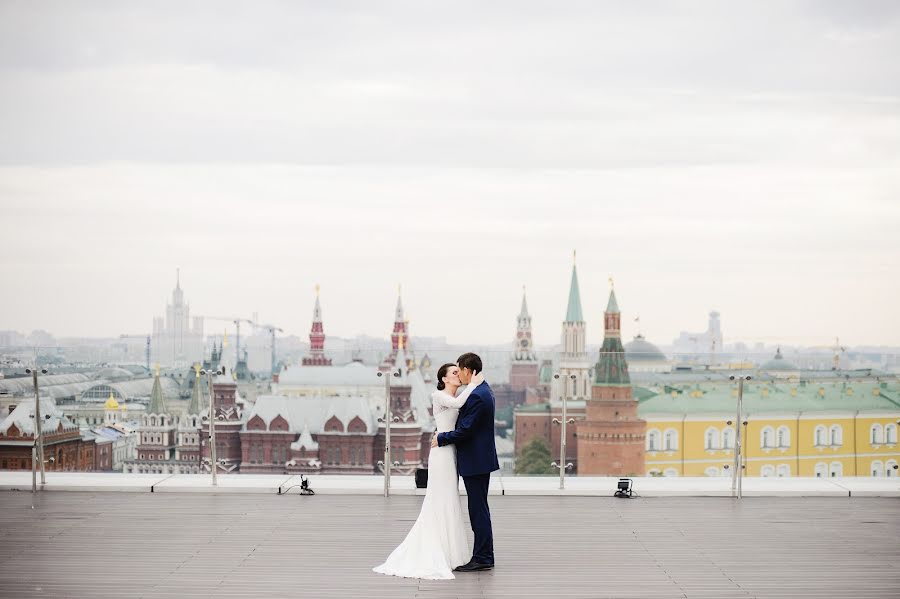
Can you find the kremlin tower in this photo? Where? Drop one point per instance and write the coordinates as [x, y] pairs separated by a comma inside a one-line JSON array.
[[611, 438], [316, 355]]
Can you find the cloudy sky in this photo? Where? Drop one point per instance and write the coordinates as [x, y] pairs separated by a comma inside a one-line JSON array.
[[743, 157]]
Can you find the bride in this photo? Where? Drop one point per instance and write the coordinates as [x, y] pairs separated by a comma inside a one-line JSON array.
[[437, 541]]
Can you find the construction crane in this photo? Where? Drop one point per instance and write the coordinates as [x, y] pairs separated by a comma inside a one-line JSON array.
[[237, 325], [837, 348], [271, 329], [147, 337]]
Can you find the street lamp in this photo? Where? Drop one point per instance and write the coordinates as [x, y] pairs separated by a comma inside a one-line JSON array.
[[213, 463], [39, 430], [562, 437], [387, 464]]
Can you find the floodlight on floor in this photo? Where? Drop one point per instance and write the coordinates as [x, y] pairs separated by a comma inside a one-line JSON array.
[[625, 488]]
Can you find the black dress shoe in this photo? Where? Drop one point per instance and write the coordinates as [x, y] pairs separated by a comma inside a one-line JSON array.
[[474, 567]]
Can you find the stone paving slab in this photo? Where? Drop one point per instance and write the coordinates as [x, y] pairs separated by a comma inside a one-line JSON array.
[[136, 545]]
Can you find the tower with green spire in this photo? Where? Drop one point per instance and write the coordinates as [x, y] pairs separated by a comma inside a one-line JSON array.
[[611, 438], [574, 363]]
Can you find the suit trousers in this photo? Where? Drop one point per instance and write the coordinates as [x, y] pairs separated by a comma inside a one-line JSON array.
[[480, 517]]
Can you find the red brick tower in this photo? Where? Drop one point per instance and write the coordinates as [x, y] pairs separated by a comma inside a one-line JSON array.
[[316, 355], [523, 370], [611, 438], [406, 435], [228, 424]]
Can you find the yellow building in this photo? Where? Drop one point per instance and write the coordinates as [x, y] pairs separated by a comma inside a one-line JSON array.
[[793, 428]]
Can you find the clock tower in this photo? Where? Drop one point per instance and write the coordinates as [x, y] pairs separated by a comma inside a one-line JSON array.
[[523, 372]]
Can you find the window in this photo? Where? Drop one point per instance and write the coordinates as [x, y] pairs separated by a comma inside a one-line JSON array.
[[783, 471], [767, 438], [278, 454], [711, 471], [890, 434], [671, 439], [837, 469], [877, 468], [837, 435], [711, 435], [784, 437], [653, 440], [256, 453], [876, 434], [819, 440], [821, 470], [767, 471], [890, 469], [670, 472], [728, 438]]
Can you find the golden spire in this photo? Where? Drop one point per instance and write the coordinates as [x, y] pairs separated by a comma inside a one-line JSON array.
[[399, 289], [611, 284], [573, 256], [111, 403], [225, 339], [197, 369], [317, 289], [157, 369]]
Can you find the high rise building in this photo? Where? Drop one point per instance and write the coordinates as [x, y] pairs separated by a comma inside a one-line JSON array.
[[175, 341]]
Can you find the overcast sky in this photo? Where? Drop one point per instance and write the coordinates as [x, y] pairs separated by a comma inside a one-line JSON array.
[[743, 157]]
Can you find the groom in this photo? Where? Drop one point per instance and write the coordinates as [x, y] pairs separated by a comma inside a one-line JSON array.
[[476, 458]]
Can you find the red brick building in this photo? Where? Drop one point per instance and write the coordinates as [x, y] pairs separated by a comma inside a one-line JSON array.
[[63, 440]]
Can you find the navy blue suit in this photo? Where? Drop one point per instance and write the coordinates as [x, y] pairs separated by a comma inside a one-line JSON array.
[[476, 458]]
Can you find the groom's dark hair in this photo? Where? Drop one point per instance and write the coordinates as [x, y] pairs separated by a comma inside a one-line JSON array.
[[470, 361]]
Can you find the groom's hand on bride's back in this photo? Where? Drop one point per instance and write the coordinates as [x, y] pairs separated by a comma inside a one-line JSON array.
[[434, 442]]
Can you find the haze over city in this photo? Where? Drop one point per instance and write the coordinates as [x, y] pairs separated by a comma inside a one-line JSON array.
[[736, 158]]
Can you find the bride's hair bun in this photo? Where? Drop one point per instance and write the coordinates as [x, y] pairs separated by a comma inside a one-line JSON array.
[[441, 373]]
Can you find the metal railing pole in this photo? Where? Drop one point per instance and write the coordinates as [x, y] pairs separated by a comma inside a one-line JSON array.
[[387, 435], [563, 465], [39, 431], [212, 430]]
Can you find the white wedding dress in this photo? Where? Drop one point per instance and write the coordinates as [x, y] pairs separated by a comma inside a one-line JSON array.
[[437, 541]]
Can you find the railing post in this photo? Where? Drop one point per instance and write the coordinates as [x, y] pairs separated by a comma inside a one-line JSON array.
[[737, 476], [387, 463], [563, 465]]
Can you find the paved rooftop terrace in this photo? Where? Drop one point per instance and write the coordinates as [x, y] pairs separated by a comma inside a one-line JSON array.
[[186, 545]]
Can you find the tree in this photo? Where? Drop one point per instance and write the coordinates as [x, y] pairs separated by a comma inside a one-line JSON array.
[[534, 458]]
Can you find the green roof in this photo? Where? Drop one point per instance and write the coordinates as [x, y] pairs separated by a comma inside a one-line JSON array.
[[157, 402], [573, 313], [771, 397], [612, 306]]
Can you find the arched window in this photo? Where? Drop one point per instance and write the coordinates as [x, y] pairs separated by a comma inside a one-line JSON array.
[[784, 437], [890, 469], [820, 433], [153, 421], [890, 434], [653, 440], [877, 468], [821, 470], [767, 471], [837, 435], [837, 469], [783, 471], [728, 438], [711, 471], [670, 472], [671, 439], [767, 437], [711, 437], [876, 434]]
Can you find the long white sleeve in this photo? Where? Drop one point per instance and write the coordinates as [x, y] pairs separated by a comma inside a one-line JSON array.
[[446, 400]]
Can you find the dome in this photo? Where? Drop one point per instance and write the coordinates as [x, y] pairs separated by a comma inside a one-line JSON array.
[[778, 363], [641, 350], [111, 403]]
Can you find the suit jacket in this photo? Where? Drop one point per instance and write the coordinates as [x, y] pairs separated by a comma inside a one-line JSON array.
[[474, 434]]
